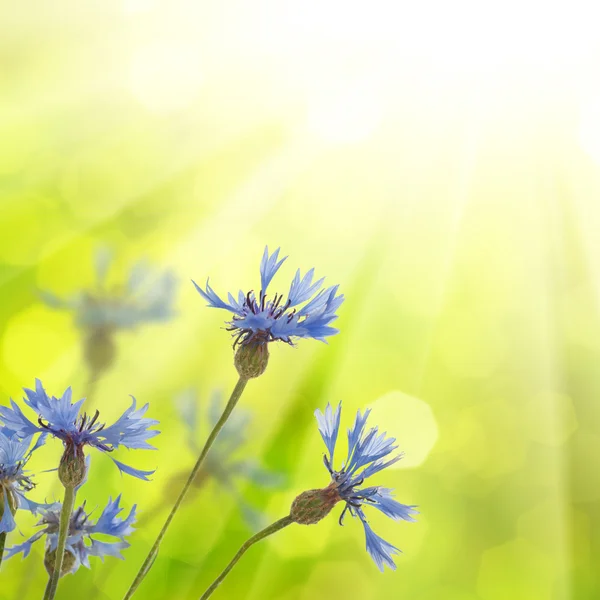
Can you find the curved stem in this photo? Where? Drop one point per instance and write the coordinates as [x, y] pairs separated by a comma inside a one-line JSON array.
[[261, 535], [235, 396], [63, 531], [148, 515]]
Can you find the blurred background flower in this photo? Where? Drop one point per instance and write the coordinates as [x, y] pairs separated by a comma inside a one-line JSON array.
[[103, 310], [440, 161], [227, 463]]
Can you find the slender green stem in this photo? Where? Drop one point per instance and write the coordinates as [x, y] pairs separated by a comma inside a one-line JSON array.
[[2, 542], [261, 535], [235, 396], [63, 531], [174, 484], [148, 515]]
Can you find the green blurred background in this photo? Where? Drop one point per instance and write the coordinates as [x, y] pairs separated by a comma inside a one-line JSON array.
[[441, 162]]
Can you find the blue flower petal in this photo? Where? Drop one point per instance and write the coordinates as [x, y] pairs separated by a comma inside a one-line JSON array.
[[109, 522], [329, 426], [29, 505], [355, 433], [131, 430], [15, 420], [383, 500], [380, 550], [269, 265], [25, 547], [102, 549], [302, 290], [212, 297], [133, 472]]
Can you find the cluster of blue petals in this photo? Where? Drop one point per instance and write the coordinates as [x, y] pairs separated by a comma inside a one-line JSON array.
[[258, 319], [62, 419], [15, 481], [147, 296], [81, 530], [368, 453]]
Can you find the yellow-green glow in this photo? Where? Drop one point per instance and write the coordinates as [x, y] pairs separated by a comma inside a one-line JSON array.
[[441, 161]]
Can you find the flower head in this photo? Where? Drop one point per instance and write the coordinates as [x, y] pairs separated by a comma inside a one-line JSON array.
[[368, 453], [62, 419], [81, 530], [102, 310], [144, 298], [15, 481], [258, 319], [225, 463]]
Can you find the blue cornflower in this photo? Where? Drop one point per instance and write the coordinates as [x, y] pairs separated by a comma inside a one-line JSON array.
[[15, 481], [145, 297], [257, 320], [367, 455], [61, 418], [102, 311], [225, 463], [81, 529]]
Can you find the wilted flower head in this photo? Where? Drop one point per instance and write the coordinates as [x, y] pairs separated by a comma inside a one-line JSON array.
[[81, 530], [258, 320], [225, 463], [367, 453], [61, 418], [145, 297], [15, 481]]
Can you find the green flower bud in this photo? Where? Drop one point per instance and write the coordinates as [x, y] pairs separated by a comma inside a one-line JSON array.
[[67, 566], [99, 349], [72, 468], [312, 506], [251, 359]]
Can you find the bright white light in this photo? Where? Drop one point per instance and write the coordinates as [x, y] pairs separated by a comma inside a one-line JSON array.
[[131, 7], [345, 115], [165, 76], [589, 125], [465, 36]]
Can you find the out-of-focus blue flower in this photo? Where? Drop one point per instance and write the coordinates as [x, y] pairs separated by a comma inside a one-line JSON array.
[[258, 320], [225, 463], [61, 418], [368, 453], [81, 529], [15, 481], [146, 297]]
